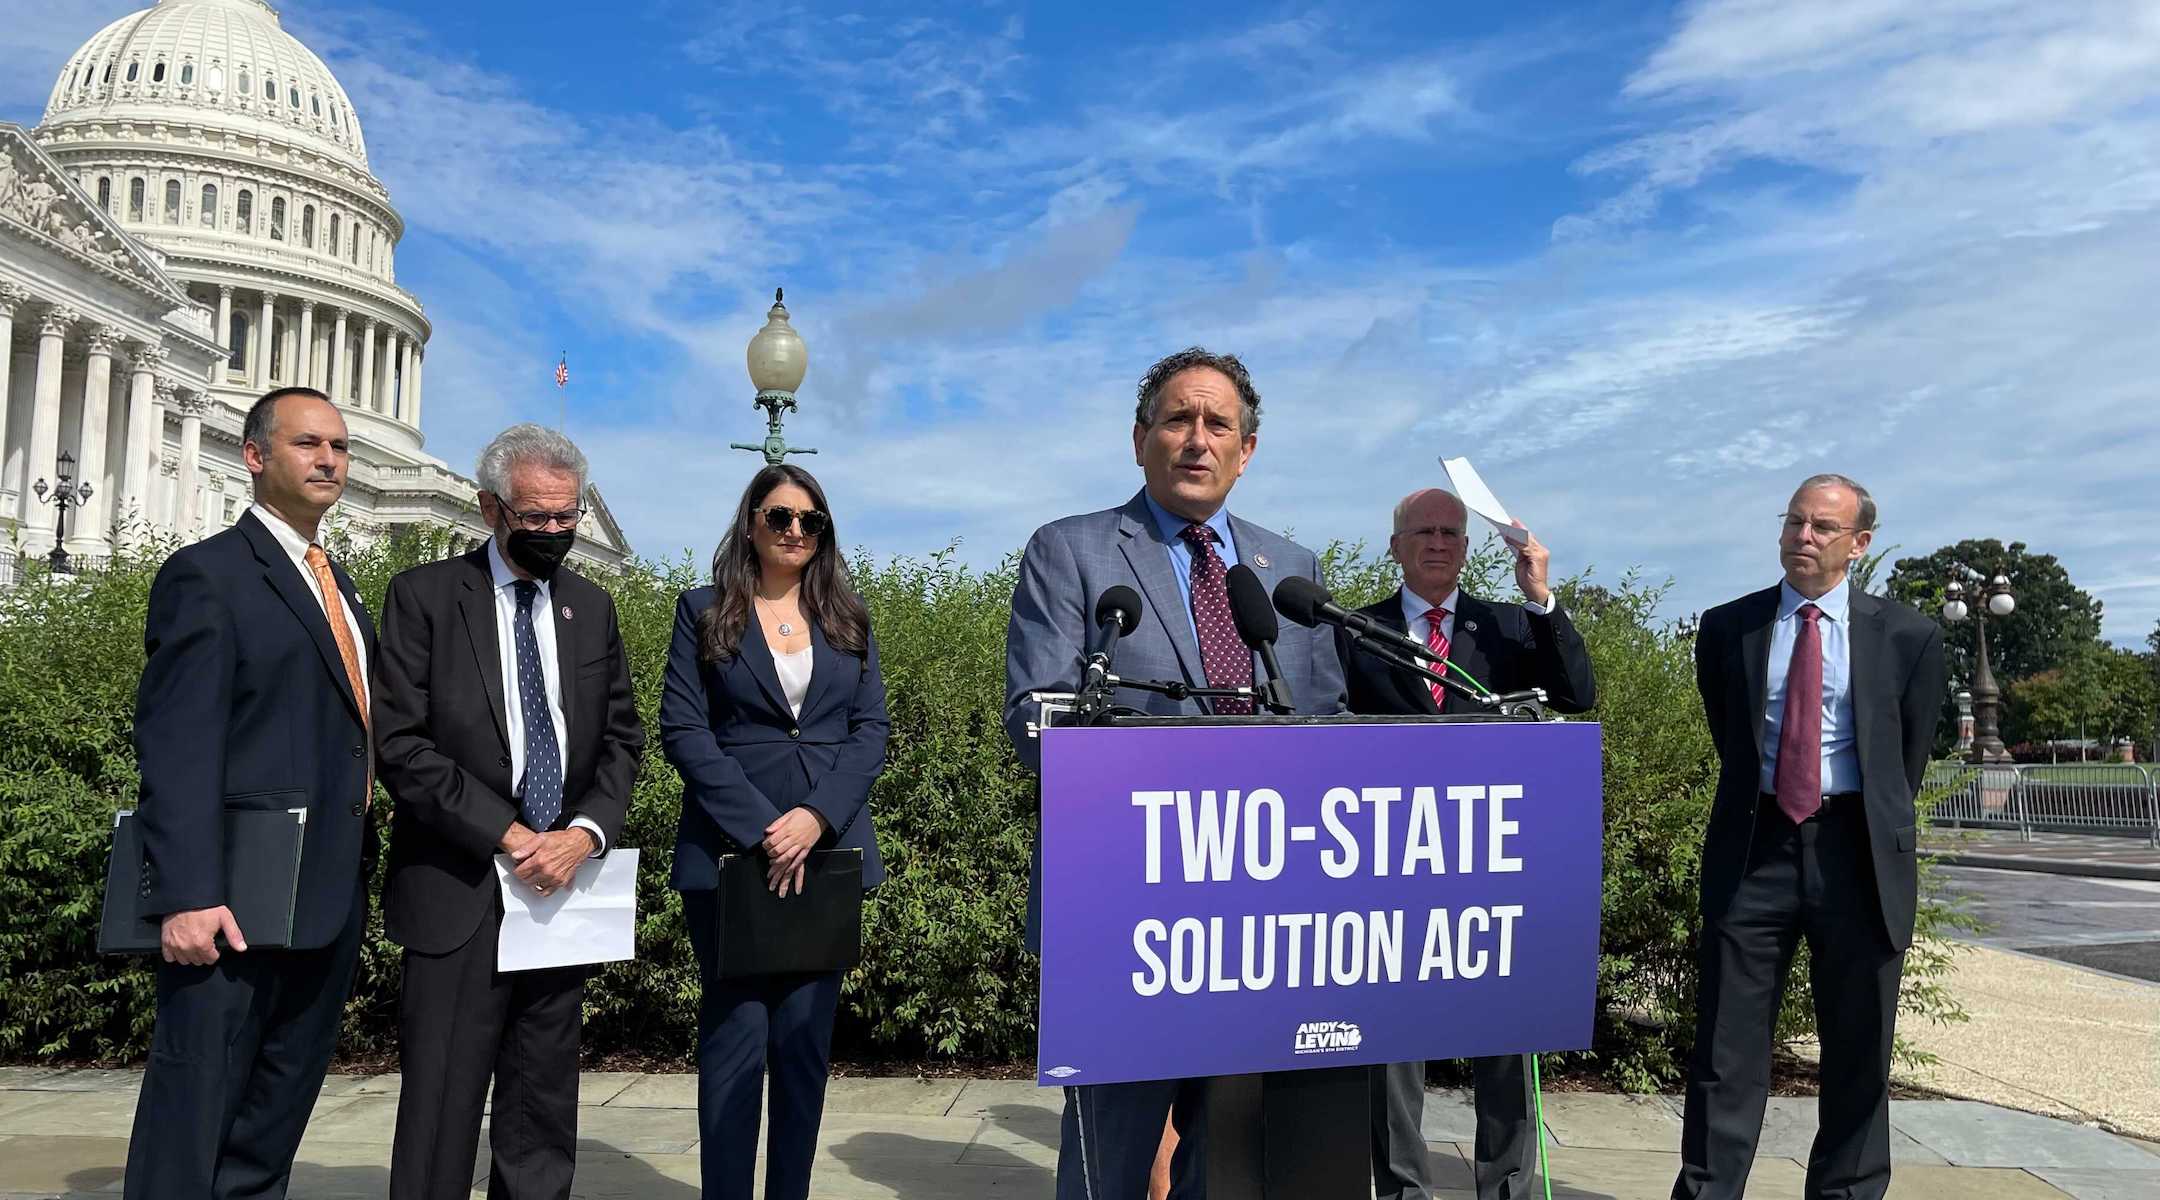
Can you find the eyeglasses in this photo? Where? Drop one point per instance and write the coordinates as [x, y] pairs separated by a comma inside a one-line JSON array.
[[1427, 532], [779, 518], [1826, 530], [536, 520]]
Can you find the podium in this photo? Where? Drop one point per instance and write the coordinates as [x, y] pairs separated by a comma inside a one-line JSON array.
[[1277, 904]]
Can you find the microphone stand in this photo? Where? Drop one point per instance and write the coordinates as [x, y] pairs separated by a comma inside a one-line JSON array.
[[1392, 654]]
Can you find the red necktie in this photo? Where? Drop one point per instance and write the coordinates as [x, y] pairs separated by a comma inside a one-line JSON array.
[[1223, 655], [1799, 743], [1437, 642]]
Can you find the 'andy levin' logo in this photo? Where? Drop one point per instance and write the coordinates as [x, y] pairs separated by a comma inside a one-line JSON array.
[[1326, 1037]]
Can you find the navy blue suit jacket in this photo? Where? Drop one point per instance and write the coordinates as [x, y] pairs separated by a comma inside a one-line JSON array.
[[244, 703], [745, 759]]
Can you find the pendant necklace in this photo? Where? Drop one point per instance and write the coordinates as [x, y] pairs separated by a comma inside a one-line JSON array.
[[786, 629]]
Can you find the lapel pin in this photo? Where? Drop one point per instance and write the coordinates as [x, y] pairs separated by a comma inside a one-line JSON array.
[[566, 613], [1259, 560], [1468, 626]]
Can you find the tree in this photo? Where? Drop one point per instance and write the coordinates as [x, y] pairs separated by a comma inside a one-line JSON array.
[[2055, 619], [2102, 693]]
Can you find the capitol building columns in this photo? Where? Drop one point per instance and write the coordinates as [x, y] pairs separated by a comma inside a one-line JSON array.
[[144, 442], [86, 532], [12, 297]]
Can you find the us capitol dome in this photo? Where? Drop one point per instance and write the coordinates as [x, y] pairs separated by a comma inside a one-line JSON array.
[[193, 223]]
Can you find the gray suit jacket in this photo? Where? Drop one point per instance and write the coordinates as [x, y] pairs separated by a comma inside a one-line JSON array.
[[1071, 562]]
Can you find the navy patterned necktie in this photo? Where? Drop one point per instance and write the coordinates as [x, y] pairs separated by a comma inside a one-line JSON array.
[[540, 800], [1223, 655]]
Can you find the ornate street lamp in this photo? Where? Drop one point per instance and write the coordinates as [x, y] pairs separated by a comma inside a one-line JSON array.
[[1987, 746], [69, 494], [777, 362]]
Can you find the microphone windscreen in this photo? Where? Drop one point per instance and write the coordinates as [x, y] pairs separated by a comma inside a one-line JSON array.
[[1299, 599], [1120, 604], [1249, 608]]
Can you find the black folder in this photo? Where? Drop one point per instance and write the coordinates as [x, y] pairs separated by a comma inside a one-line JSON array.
[[817, 929], [262, 878]]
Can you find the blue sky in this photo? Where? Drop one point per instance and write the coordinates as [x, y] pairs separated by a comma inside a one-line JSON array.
[[1647, 265]]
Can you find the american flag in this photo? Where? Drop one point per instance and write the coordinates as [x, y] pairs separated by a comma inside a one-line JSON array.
[[562, 371]]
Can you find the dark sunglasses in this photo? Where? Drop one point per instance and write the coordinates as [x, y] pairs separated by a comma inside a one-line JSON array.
[[779, 517]]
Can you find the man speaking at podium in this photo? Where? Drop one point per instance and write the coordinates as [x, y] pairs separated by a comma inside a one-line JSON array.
[[1194, 430], [1507, 647]]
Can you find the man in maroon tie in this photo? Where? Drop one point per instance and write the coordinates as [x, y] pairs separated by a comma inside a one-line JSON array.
[[1822, 702], [1507, 647]]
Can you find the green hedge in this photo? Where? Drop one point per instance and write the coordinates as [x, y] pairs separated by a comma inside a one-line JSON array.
[[943, 974]]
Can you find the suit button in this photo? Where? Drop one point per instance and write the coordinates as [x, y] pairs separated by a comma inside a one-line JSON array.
[[504, 761], [358, 808], [794, 733], [359, 752]]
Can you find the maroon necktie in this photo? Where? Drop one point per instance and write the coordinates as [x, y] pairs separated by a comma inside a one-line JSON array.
[[1799, 743], [1223, 655]]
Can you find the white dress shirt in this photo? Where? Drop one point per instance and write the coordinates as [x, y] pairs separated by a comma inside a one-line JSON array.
[[1417, 615], [543, 623], [296, 548], [1840, 756]]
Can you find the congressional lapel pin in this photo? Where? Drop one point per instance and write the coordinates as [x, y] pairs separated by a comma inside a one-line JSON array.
[[566, 613], [1259, 560], [1468, 626]]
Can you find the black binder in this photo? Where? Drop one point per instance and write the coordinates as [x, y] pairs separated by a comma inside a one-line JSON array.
[[262, 878], [817, 929]]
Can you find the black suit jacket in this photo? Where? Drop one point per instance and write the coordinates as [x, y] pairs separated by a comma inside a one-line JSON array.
[[1505, 646], [444, 742], [244, 703], [745, 759], [1897, 685]]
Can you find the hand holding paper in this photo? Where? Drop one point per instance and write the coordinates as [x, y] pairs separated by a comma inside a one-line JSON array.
[[1463, 480], [592, 920]]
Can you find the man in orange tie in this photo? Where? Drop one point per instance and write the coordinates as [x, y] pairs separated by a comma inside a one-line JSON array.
[[254, 696]]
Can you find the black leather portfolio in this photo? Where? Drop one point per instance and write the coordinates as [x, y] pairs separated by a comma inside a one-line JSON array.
[[262, 876], [817, 929]]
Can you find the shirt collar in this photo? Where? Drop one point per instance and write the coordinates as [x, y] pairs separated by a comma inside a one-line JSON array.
[[1835, 603], [1414, 606], [499, 570], [288, 537], [1173, 525]]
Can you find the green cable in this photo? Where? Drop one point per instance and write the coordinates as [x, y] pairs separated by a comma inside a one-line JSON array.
[[1537, 1092], [1480, 684]]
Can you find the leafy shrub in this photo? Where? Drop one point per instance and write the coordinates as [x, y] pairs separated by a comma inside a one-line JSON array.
[[943, 974]]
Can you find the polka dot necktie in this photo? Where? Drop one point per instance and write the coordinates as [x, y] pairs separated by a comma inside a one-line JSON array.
[[1223, 655], [540, 798]]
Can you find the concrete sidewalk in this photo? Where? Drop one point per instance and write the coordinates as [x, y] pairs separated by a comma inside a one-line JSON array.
[[64, 1133], [2095, 855]]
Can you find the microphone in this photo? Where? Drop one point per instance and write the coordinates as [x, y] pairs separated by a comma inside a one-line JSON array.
[[1257, 628], [1309, 604], [1117, 614]]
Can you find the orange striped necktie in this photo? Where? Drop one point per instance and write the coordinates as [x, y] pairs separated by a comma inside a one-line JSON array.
[[341, 633]]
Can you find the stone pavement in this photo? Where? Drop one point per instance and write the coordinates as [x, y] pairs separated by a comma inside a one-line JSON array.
[[2097, 855], [64, 1133]]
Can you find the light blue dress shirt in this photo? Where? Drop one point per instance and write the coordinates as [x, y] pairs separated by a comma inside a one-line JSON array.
[[1840, 754], [1173, 529]]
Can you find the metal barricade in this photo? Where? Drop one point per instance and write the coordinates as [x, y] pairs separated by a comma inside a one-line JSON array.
[[2122, 799]]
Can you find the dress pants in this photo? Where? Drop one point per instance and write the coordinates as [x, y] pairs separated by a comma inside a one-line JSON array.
[[236, 1063], [1111, 1131], [1506, 1135], [1815, 880], [776, 1025], [460, 1022]]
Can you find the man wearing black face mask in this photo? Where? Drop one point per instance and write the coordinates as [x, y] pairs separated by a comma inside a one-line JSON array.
[[505, 724]]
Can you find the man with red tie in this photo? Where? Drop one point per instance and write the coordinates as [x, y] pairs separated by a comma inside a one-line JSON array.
[[1822, 702], [1507, 647]]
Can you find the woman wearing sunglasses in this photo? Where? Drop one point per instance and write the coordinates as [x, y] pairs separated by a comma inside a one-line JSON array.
[[774, 713]]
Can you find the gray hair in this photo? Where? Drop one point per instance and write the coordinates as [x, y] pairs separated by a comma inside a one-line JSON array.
[[1867, 502], [528, 445], [1402, 506], [1166, 369]]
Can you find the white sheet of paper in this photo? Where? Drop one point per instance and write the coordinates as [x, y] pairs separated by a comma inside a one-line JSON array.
[[1471, 490], [594, 920]]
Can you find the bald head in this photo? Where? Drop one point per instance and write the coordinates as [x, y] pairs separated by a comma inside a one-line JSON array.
[[1430, 542]]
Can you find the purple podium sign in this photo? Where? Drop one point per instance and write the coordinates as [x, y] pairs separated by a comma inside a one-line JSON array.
[[1225, 899]]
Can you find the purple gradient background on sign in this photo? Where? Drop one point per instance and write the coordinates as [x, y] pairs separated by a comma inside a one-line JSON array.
[[1095, 892]]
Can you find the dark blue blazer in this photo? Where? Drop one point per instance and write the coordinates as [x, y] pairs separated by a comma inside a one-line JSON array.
[[745, 759], [244, 704]]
